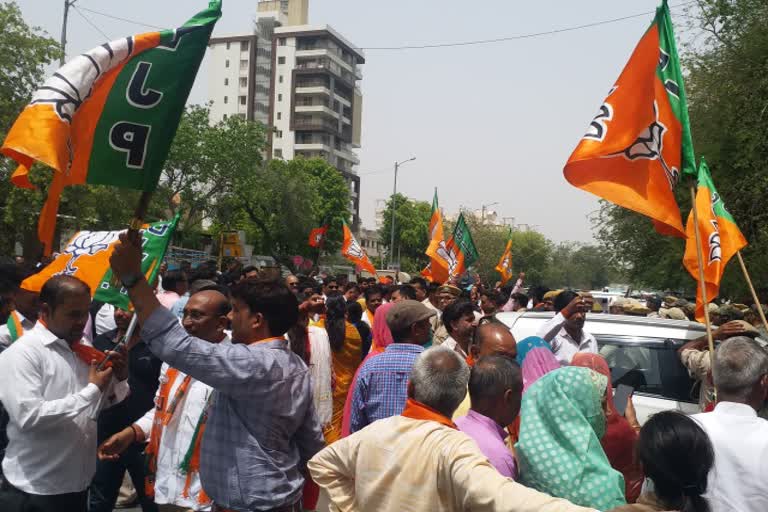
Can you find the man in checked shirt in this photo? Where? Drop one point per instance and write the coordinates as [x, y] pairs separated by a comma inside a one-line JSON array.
[[262, 427]]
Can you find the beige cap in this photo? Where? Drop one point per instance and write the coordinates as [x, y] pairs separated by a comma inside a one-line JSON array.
[[405, 313]]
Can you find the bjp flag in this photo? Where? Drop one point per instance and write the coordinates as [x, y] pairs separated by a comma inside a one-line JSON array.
[[317, 236], [86, 256], [504, 266], [720, 239], [108, 116], [639, 144], [352, 250], [461, 249], [438, 269]]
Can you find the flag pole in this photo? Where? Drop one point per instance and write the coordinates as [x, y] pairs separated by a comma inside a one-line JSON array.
[[758, 304], [702, 283]]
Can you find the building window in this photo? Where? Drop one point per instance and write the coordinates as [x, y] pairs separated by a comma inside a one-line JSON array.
[[279, 97], [280, 79], [281, 60], [225, 117], [278, 153], [226, 100], [243, 82], [279, 116], [243, 64], [281, 41], [242, 100], [227, 46], [279, 134], [226, 81], [226, 64], [244, 46]]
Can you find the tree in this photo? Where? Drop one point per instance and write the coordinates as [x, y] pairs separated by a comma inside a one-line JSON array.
[[411, 231], [26, 51]]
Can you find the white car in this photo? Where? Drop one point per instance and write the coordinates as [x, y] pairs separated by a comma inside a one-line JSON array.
[[641, 352]]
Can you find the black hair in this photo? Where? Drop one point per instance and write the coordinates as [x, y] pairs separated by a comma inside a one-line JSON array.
[[495, 297], [312, 284], [492, 375], [654, 302], [330, 279], [373, 290], [351, 286], [563, 299], [249, 268], [677, 455], [537, 293], [59, 288], [335, 321], [455, 311], [172, 278], [273, 299], [354, 312], [521, 299], [432, 287], [419, 281], [407, 291]]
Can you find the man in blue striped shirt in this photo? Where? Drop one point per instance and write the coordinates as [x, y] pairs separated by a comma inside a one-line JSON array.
[[382, 383], [261, 427]]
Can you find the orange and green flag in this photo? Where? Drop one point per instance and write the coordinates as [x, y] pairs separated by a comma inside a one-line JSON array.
[[353, 251], [108, 116], [504, 266], [86, 256], [639, 144], [461, 249], [438, 268], [720, 239]]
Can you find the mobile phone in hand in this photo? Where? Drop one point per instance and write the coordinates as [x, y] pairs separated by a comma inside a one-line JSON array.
[[621, 397]]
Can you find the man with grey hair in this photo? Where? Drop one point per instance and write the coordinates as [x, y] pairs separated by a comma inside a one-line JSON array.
[[738, 435], [419, 460]]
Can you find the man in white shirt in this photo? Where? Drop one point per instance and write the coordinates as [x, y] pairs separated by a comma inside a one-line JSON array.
[[419, 460], [565, 332], [459, 319], [739, 437], [205, 317], [52, 395]]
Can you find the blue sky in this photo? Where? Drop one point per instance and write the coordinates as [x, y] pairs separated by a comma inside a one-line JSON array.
[[487, 123]]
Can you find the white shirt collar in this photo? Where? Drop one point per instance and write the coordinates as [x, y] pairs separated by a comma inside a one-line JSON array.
[[735, 409], [46, 336]]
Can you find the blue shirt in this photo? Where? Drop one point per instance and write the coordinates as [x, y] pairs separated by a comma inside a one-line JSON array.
[[382, 385], [178, 306], [262, 427]]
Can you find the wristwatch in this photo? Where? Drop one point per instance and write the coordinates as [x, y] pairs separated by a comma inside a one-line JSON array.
[[130, 280]]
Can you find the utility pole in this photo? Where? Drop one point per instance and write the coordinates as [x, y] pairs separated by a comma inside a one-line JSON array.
[[393, 206], [67, 5]]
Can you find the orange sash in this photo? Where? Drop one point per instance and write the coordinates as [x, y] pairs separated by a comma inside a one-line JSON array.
[[418, 411]]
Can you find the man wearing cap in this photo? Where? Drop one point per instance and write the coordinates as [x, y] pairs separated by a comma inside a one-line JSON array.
[[446, 295], [381, 389]]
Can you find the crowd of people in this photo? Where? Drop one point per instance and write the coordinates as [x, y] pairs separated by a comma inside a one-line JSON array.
[[245, 391]]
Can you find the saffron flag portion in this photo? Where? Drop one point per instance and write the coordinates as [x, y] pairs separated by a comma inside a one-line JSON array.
[[355, 253], [462, 252], [720, 239], [317, 236], [86, 256], [438, 269], [108, 116], [504, 266], [639, 143]]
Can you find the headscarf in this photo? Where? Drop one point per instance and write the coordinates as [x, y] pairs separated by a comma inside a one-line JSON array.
[[538, 363], [559, 451], [620, 438], [382, 336], [528, 344]]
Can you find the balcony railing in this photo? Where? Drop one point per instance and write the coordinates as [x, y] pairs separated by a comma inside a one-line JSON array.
[[315, 125], [328, 65]]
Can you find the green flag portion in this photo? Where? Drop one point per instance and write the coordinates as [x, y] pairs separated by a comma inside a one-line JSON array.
[[144, 105], [671, 75], [155, 240], [463, 243]]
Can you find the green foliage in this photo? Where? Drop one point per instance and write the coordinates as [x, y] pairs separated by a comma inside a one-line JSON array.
[[727, 85], [411, 231]]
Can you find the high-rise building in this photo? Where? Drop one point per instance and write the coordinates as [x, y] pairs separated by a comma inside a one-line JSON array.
[[300, 80]]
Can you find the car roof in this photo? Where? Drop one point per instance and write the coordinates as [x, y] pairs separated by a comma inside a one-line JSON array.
[[527, 324]]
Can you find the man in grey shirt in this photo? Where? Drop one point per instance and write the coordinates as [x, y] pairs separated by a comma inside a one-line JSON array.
[[261, 427]]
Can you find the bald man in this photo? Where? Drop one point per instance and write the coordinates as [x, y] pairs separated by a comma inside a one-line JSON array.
[[183, 399], [492, 338]]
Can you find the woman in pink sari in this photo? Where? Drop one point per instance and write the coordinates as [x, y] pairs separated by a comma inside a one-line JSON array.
[[382, 338]]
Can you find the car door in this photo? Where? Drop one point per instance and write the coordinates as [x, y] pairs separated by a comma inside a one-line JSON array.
[[652, 367]]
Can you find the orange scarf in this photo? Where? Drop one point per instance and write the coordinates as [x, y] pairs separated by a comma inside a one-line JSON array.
[[85, 353], [418, 411]]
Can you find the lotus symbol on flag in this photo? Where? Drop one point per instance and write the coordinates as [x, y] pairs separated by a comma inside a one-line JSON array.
[[715, 250], [650, 145], [87, 243], [354, 249]]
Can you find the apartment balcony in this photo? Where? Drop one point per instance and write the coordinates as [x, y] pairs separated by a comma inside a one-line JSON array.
[[312, 146], [325, 64], [316, 124], [316, 89], [348, 64], [316, 109], [346, 155]]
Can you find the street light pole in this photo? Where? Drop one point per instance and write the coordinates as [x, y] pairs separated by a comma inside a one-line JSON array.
[[67, 5], [393, 205], [482, 214]]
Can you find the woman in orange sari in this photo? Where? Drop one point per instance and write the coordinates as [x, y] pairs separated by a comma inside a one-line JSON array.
[[345, 349]]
